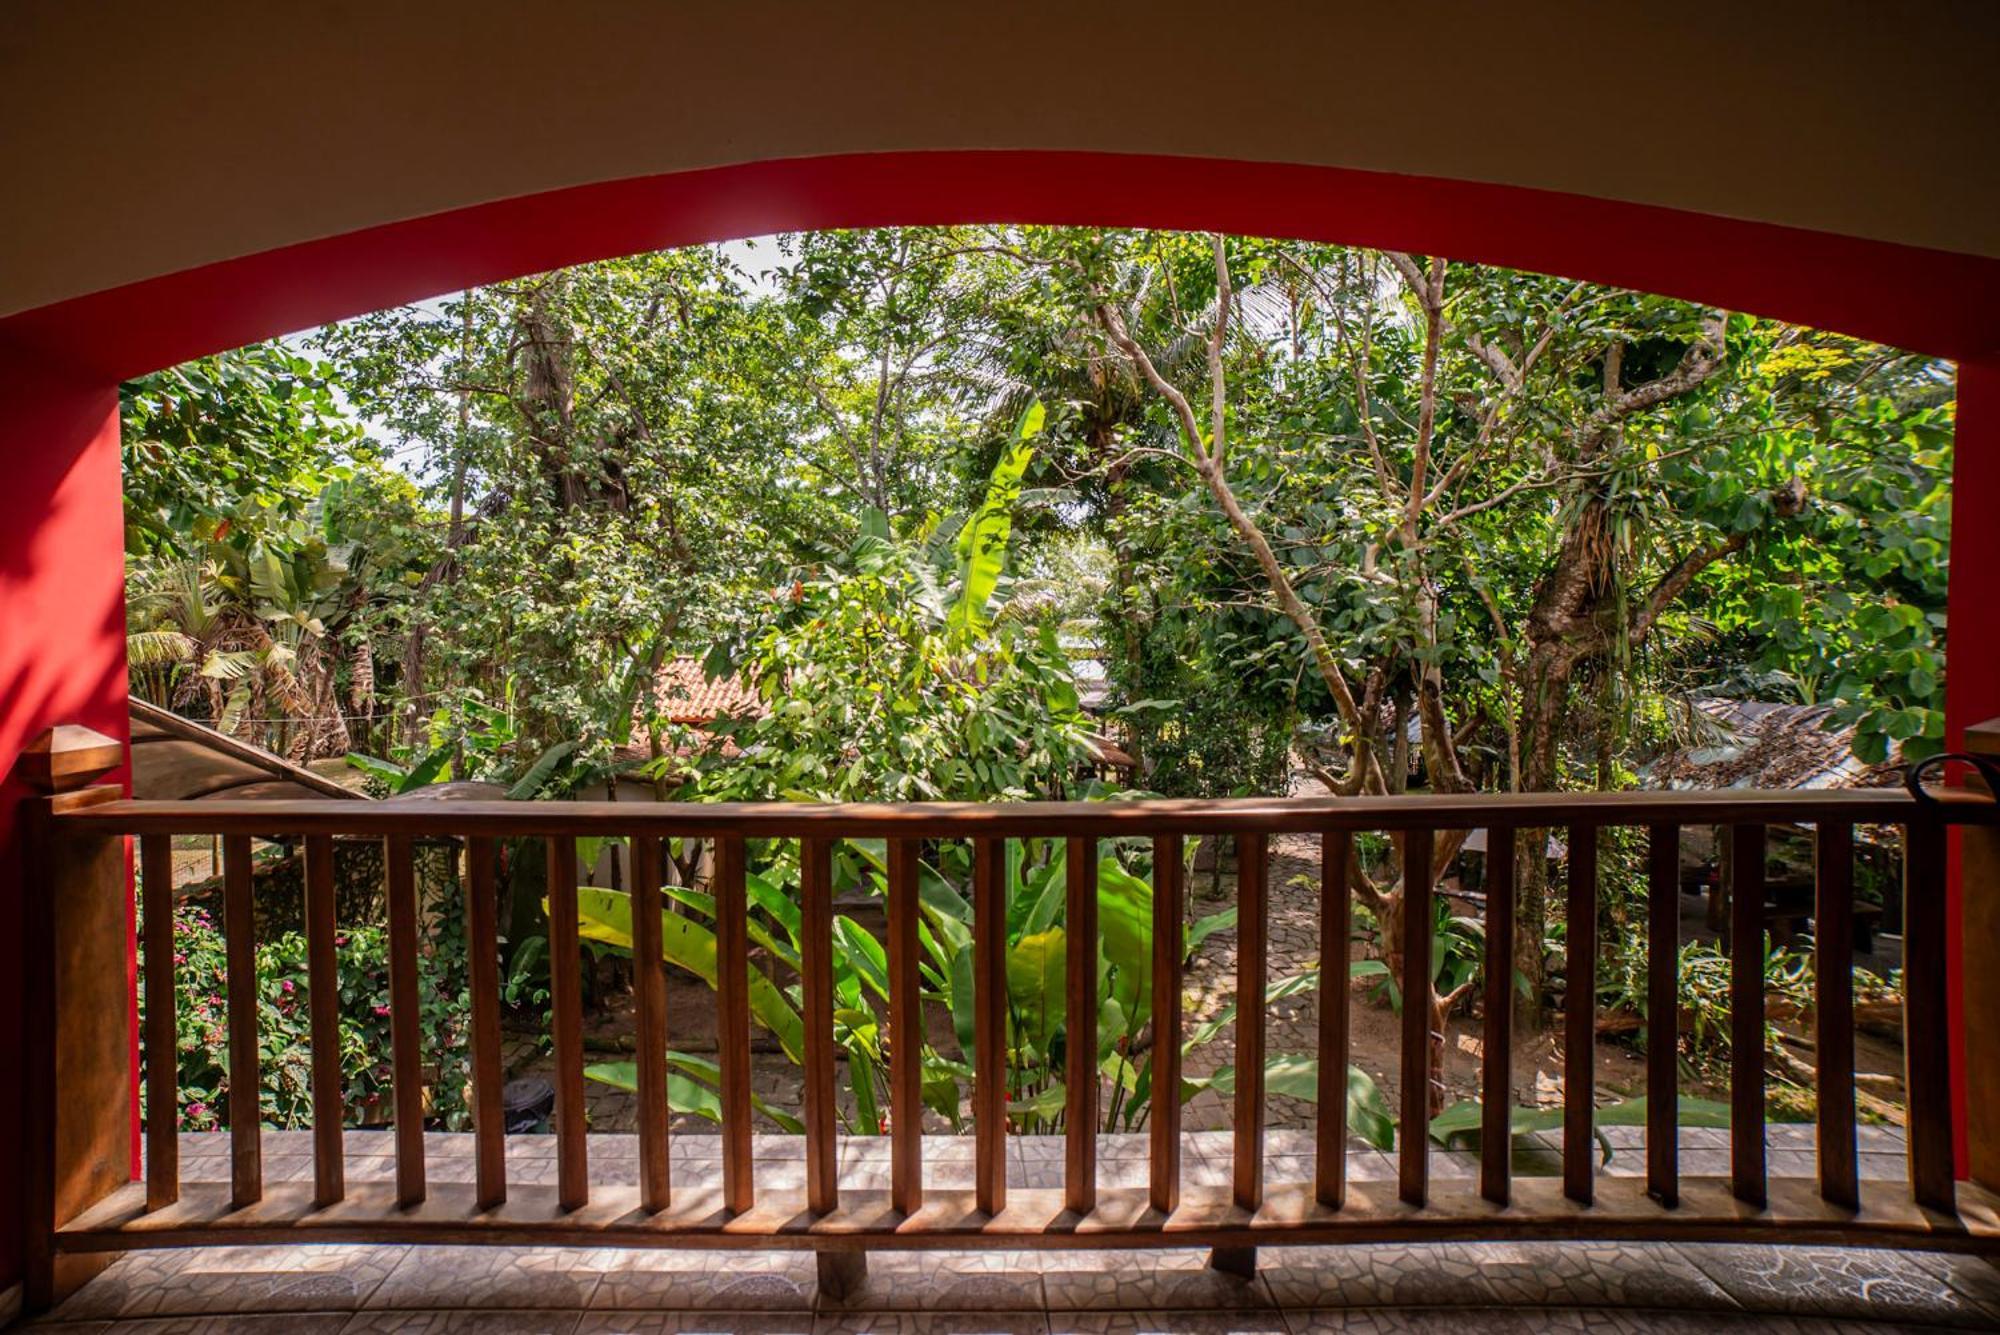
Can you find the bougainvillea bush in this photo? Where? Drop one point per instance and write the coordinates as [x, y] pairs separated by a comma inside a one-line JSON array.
[[283, 1025]]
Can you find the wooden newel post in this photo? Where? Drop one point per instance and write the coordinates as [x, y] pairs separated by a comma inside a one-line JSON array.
[[1979, 928], [78, 1078]]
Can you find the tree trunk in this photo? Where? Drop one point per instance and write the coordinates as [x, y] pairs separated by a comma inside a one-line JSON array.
[[1544, 707]]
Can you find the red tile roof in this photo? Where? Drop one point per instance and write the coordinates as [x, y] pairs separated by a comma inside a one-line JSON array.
[[682, 694]]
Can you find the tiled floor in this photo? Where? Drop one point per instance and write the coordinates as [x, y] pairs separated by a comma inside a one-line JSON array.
[[1491, 1288]]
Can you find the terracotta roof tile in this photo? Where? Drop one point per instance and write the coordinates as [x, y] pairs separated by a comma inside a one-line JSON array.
[[683, 694]]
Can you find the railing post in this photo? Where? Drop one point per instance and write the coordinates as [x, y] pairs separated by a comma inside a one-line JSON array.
[[1979, 942], [78, 1079]]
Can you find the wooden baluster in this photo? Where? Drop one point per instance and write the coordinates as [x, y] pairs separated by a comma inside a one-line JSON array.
[[1413, 1164], [1336, 927], [163, 1177], [1580, 1018], [405, 1020], [906, 1031], [71, 1078], [649, 995], [1496, 1088], [1746, 1013], [1833, 1011], [1663, 952], [816, 983], [239, 915], [566, 1002], [1253, 864], [1926, 1019], [1165, 1156], [732, 1021], [1080, 1075], [482, 943], [1253, 948], [989, 992], [323, 1007]]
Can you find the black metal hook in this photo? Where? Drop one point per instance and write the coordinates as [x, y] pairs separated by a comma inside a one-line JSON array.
[[1913, 774]]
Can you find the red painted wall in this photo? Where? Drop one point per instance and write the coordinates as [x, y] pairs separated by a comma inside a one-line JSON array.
[[62, 640]]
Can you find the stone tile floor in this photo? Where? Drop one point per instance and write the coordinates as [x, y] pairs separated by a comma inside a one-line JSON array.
[[1491, 1288]]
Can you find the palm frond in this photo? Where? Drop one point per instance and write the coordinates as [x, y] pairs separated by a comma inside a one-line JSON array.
[[159, 648]]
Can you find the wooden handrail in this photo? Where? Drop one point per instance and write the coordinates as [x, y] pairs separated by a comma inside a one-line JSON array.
[[1020, 820]]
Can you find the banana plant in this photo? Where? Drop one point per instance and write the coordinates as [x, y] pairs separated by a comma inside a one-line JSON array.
[[605, 916], [1038, 1023]]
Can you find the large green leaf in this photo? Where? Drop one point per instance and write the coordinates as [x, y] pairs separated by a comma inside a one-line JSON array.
[[964, 1002], [692, 1093], [1125, 934], [864, 953], [1202, 928], [606, 915], [1044, 890], [1296, 1075], [1460, 1124], [1292, 985], [1035, 991], [545, 764], [982, 543]]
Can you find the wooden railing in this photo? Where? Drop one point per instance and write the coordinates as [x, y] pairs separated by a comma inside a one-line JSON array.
[[81, 831]]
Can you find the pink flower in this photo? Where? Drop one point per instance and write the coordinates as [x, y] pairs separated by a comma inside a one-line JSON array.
[[286, 985], [381, 1010], [197, 1110]]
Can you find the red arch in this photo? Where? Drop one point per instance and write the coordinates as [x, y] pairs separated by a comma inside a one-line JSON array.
[[61, 573], [1932, 301]]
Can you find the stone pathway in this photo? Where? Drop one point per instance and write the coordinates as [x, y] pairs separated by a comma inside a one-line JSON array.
[[1032, 1161], [1510, 1288]]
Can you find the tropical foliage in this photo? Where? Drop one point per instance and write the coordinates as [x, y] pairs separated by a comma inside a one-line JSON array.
[[1298, 512]]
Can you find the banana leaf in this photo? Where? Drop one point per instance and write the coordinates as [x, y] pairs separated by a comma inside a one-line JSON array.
[[691, 1093], [1296, 1075], [1458, 1126], [606, 916], [1035, 986]]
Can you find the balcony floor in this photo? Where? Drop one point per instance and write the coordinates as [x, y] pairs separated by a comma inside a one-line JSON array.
[[1493, 1288]]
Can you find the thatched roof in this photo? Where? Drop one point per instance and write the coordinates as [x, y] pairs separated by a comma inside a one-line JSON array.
[[1758, 744]]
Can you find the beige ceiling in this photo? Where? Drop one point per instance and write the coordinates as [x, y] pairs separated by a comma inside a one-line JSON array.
[[139, 138]]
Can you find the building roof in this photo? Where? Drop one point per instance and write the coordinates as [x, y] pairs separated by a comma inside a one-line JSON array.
[[1761, 744], [682, 693], [177, 759]]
